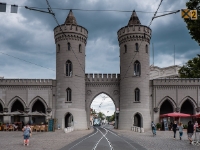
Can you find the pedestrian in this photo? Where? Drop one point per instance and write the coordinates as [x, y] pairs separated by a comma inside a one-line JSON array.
[[180, 128], [190, 131], [196, 125], [153, 126], [174, 127], [27, 132]]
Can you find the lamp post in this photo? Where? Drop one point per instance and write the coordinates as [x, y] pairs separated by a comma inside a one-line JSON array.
[[117, 118]]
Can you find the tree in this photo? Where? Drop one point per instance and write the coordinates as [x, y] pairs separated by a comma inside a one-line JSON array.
[[101, 115], [112, 118], [191, 69], [194, 25]]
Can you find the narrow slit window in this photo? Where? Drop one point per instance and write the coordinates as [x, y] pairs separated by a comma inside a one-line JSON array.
[[69, 95], [137, 68], [80, 48], [125, 49], [137, 95], [136, 47], [69, 68], [147, 49], [68, 46]]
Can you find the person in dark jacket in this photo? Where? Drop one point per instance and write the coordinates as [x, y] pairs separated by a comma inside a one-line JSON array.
[[190, 131], [174, 127]]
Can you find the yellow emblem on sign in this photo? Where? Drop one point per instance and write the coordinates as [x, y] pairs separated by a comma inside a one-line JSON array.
[[185, 13], [193, 14]]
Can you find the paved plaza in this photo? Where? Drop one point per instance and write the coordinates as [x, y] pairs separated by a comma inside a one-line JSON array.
[[13, 140], [162, 141]]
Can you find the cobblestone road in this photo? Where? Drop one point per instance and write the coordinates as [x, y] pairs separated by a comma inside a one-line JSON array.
[[162, 141], [13, 140]]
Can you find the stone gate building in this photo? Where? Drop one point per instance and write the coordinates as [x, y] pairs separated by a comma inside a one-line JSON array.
[[139, 91]]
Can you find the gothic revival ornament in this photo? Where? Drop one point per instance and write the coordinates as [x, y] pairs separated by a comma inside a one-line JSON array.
[[115, 92], [155, 109], [5, 110], [49, 109], [89, 92], [177, 109], [198, 109], [27, 109]]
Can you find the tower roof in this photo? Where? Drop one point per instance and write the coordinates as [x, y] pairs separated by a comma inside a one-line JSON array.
[[134, 19], [70, 18]]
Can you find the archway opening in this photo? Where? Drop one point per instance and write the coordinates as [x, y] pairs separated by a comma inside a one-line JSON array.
[[17, 106], [166, 107], [102, 110], [39, 107], [187, 108], [69, 120], [137, 120]]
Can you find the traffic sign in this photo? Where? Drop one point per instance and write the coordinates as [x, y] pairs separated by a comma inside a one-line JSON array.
[[193, 14], [185, 13]]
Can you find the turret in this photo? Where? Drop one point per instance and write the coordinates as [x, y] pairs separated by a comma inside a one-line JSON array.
[[70, 40], [134, 40]]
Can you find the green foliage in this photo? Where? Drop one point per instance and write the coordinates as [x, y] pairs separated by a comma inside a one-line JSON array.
[[191, 69], [158, 125], [185, 126], [194, 25], [112, 118], [101, 115]]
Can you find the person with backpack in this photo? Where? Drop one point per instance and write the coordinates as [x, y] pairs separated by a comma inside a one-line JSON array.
[[153, 126], [27, 131]]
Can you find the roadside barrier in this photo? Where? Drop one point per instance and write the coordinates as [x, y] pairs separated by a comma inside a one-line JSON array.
[[137, 129], [68, 129]]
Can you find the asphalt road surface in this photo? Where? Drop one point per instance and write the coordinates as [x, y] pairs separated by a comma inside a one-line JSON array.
[[103, 139]]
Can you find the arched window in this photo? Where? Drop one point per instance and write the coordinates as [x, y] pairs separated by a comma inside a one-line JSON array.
[[69, 95], [69, 68], [68, 46], [80, 48], [125, 49], [58, 48], [136, 47], [146, 48], [137, 68], [137, 95]]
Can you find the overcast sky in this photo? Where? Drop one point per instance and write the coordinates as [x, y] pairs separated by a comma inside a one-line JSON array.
[[28, 35]]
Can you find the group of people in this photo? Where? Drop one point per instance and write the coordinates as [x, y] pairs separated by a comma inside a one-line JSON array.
[[179, 127]]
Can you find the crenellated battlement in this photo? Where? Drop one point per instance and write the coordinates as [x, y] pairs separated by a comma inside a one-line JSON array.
[[72, 32], [135, 32], [177, 81], [26, 82], [102, 77]]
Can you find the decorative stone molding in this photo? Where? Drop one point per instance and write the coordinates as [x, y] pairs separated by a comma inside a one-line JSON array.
[[155, 109], [27, 109], [5, 110], [177, 109], [89, 92], [115, 92], [49, 109], [198, 109]]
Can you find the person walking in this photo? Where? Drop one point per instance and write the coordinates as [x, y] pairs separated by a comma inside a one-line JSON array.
[[27, 131], [190, 131], [153, 126], [180, 128], [174, 127]]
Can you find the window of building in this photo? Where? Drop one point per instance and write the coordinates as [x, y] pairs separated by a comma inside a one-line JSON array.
[[146, 48], [58, 48], [80, 48], [125, 49], [137, 95], [137, 68], [68, 46], [136, 47], [69, 68], [69, 95]]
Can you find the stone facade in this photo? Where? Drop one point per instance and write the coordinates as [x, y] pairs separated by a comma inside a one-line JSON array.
[[140, 92]]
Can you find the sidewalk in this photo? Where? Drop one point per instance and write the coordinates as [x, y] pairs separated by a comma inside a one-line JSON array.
[[13, 140], [162, 141]]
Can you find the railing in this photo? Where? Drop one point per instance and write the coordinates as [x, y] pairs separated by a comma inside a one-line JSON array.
[[69, 129], [137, 129]]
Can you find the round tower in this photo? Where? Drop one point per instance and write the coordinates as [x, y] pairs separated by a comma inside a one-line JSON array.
[[70, 40], [134, 40]]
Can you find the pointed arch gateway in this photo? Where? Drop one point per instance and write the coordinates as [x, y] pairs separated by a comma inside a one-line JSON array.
[[138, 120], [69, 120]]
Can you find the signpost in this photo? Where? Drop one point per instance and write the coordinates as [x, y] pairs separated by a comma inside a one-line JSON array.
[[189, 14]]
